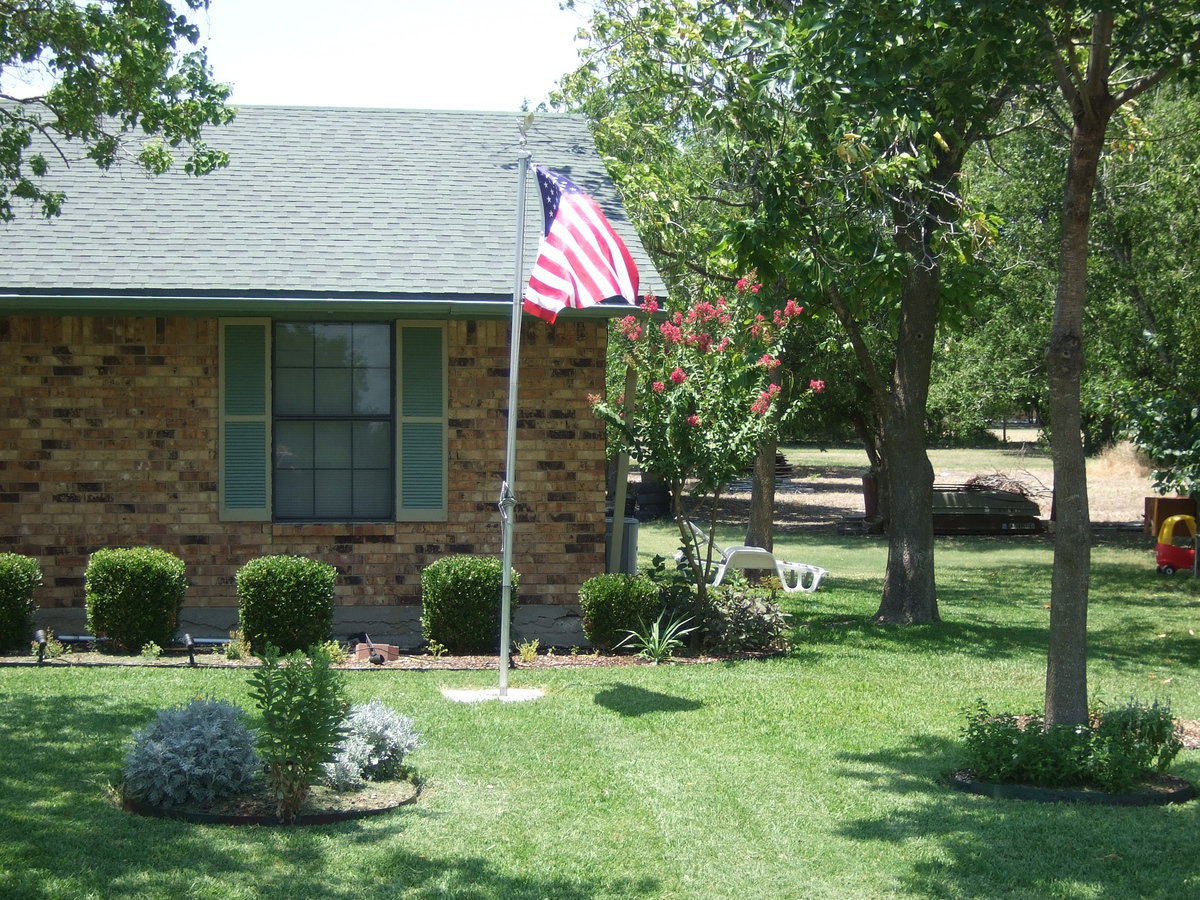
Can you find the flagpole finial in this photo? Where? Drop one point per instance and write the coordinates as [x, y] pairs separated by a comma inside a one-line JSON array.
[[524, 126]]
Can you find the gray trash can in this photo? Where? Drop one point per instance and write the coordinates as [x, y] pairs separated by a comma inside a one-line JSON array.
[[629, 539]]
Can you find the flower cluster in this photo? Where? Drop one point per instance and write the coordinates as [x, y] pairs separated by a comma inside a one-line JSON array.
[[762, 405], [714, 384]]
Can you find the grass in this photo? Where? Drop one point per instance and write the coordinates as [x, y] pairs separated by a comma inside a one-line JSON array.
[[813, 775]]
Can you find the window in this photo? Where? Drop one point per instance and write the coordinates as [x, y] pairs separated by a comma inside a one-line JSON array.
[[332, 422]]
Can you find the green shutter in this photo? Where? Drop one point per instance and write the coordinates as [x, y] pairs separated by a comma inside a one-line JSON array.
[[421, 423], [245, 433]]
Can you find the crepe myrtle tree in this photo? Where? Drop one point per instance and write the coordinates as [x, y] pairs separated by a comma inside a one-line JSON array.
[[711, 389]]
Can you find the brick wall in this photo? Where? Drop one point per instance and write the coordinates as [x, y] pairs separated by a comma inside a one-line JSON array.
[[108, 430]]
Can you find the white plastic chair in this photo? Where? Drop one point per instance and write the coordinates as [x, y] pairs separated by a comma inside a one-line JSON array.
[[792, 575]]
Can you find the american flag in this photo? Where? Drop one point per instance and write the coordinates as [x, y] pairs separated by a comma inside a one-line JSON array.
[[581, 260]]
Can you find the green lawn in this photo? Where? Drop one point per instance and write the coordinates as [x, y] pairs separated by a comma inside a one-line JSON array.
[[812, 775]]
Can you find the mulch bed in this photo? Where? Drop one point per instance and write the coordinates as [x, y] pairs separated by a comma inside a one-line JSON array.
[[413, 662]]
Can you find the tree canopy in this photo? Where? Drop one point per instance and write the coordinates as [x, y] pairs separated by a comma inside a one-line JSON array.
[[82, 81], [823, 145]]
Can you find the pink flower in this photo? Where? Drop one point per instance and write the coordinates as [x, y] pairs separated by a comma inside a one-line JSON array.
[[816, 385], [672, 334], [650, 304], [763, 403], [630, 328], [792, 309], [742, 284], [678, 376], [769, 362], [693, 420], [659, 387]]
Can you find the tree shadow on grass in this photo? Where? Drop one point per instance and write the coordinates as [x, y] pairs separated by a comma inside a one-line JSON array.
[[61, 834], [630, 700], [972, 846]]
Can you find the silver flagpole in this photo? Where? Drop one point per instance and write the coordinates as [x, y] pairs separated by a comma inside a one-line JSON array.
[[508, 500]]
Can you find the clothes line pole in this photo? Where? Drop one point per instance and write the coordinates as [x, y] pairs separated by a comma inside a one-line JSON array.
[[508, 500]]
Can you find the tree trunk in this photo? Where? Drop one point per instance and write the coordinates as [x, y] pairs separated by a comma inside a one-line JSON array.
[[1066, 669], [909, 589], [760, 531]]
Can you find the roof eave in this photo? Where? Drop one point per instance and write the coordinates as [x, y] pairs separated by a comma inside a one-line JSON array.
[[293, 306]]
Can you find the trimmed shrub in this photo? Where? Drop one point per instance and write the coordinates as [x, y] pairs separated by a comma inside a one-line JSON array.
[[286, 601], [614, 605], [196, 753], [134, 596], [742, 620], [19, 577], [460, 603], [377, 740]]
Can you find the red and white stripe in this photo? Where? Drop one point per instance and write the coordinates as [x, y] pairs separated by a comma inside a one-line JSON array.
[[581, 261]]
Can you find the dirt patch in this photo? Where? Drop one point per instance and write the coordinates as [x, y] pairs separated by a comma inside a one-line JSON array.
[[813, 497]]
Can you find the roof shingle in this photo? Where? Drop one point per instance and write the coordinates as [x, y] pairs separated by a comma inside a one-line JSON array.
[[316, 201]]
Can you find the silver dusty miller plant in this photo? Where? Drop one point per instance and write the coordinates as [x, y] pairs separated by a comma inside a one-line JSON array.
[[376, 742], [192, 754]]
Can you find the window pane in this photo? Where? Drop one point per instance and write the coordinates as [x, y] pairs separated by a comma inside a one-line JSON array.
[[333, 497], [293, 391], [373, 391], [372, 445], [334, 345], [294, 445], [333, 393], [333, 449], [293, 345], [294, 494], [373, 345], [372, 494]]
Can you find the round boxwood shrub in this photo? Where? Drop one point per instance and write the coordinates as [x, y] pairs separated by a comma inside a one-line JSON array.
[[134, 596], [615, 604], [287, 601], [460, 603], [19, 576]]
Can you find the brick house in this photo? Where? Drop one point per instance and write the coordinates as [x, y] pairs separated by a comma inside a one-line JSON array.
[[305, 353]]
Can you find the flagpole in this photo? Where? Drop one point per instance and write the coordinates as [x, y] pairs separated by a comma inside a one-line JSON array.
[[508, 500]]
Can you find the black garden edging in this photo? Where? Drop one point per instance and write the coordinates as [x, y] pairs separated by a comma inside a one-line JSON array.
[[322, 818], [1166, 789]]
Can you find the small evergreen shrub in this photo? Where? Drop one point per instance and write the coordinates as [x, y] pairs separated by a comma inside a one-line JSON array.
[[742, 620], [192, 754], [19, 577], [1116, 751], [376, 741], [676, 587], [1131, 740], [302, 701], [134, 596], [460, 603], [286, 601], [615, 604]]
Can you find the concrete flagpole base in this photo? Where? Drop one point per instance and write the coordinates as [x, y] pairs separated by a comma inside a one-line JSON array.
[[512, 695]]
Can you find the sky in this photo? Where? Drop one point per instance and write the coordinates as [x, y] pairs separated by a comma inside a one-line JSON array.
[[402, 54]]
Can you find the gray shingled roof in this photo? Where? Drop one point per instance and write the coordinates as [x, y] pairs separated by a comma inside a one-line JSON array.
[[338, 203]]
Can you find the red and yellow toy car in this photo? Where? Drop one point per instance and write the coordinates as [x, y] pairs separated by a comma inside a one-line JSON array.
[[1172, 557]]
